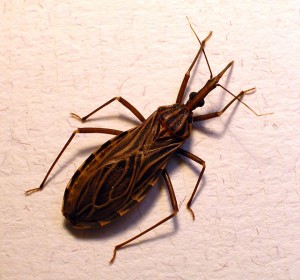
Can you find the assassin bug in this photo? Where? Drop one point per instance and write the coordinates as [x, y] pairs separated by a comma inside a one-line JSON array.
[[119, 174]]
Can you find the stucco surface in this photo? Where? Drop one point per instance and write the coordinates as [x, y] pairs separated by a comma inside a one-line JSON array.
[[58, 57]]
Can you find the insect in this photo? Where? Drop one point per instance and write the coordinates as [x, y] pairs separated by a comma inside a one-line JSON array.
[[120, 173]]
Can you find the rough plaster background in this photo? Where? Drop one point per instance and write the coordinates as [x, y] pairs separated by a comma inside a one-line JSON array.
[[58, 57]]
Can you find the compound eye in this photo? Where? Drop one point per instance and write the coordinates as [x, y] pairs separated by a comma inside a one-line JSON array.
[[201, 103], [192, 95]]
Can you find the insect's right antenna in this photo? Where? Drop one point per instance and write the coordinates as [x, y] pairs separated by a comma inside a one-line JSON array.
[[211, 75], [249, 91]]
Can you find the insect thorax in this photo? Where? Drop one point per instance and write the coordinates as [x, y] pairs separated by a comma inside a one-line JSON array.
[[176, 121]]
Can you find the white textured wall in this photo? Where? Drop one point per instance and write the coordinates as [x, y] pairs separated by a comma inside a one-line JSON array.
[[58, 57]]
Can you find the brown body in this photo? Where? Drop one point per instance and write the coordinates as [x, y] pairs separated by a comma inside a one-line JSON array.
[[121, 172]]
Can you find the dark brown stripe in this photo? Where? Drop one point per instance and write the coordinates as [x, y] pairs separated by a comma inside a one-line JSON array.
[[88, 161], [67, 191], [75, 177], [106, 144]]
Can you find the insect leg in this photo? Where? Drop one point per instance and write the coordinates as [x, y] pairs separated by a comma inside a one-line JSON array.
[[124, 102], [78, 130], [219, 113], [175, 210], [200, 161], [188, 73]]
